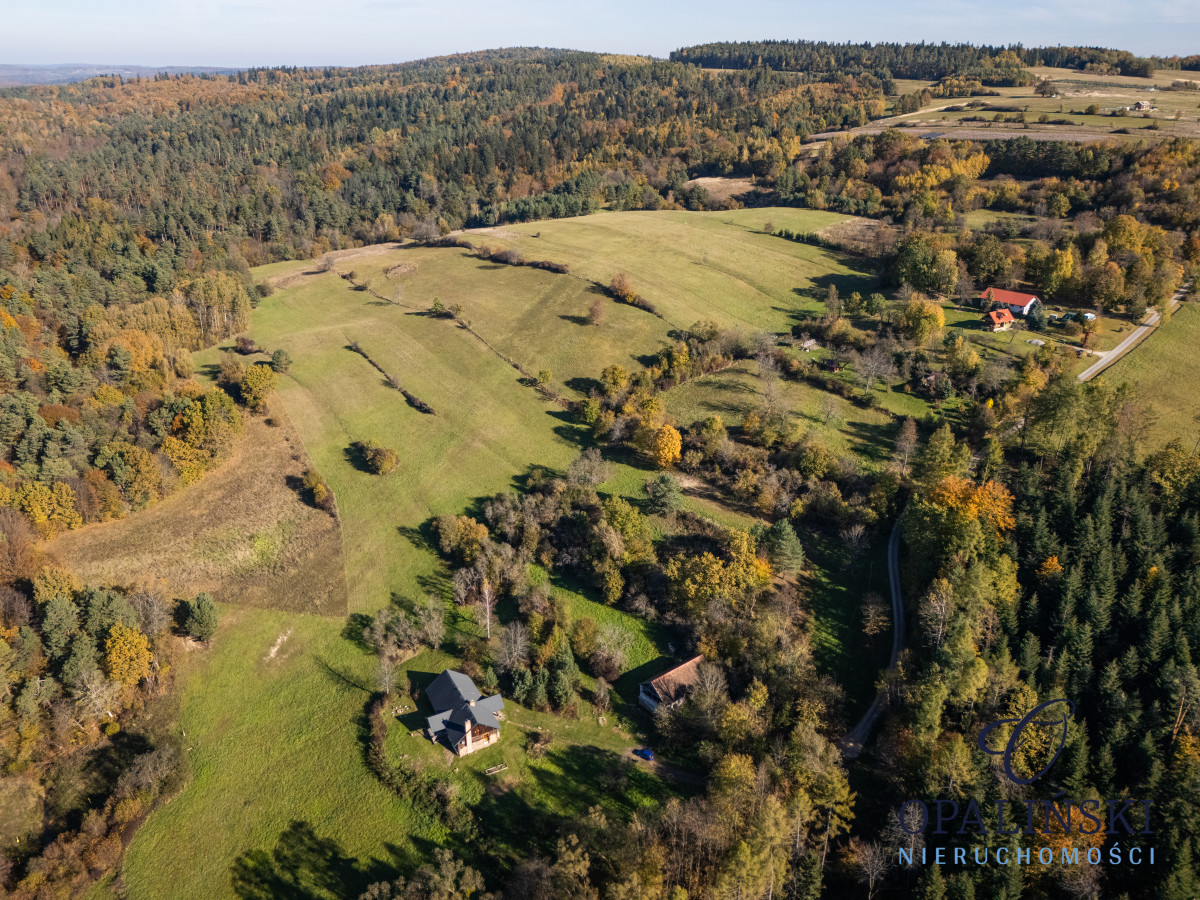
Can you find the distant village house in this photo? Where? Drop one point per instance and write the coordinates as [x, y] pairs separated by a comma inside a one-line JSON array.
[[462, 717], [1018, 304], [670, 688]]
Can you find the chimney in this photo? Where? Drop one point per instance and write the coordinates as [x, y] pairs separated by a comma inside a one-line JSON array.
[[470, 703]]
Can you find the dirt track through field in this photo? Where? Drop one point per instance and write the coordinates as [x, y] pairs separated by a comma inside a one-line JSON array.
[[291, 279]]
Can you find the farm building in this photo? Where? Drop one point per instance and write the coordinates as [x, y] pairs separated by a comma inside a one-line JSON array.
[[998, 319], [1018, 304], [672, 687], [462, 716], [1143, 106]]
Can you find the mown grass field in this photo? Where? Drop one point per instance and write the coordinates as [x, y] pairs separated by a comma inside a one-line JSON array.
[[1161, 370], [692, 266], [1175, 113], [271, 740], [277, 742]]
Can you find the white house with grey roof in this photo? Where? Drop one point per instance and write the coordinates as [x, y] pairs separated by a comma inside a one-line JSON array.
[[462, 716]]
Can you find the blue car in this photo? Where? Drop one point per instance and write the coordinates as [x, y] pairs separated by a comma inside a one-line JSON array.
[[644, 753]]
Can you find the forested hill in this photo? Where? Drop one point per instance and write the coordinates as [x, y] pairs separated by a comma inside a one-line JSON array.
[[998, 66], [271, 164], [994, 65], [131, 211], [63, 74]]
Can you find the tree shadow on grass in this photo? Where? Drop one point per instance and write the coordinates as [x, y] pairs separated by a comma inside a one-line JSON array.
[[356, 623], [344, 677], [303, 866], [518, 822], [871, 440], [421, 536], [583, 385], [435, 583], [356, 456]]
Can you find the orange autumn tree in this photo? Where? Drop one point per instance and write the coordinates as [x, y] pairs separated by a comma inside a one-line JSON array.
[[955, 518]]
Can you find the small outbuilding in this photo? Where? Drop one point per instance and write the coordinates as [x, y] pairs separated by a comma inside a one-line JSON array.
[[462, 716], [671, 687]]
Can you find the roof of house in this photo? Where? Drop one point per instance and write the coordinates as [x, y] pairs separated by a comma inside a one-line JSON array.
[[1014, 298], [458, 705], [672, 685], [450, 689], [999, 316]]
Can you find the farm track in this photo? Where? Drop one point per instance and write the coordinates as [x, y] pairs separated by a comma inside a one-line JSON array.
[[857, 737]]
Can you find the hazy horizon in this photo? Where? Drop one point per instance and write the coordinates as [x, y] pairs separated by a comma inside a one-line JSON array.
[[220, 34]]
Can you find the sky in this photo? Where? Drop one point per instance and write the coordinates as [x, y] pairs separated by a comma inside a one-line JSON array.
[[239, 33]]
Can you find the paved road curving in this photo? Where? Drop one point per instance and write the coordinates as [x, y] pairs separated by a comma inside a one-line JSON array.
[[852, 743], [1109, 357]]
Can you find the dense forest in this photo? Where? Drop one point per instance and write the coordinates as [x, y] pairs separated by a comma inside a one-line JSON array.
[[929, 62]]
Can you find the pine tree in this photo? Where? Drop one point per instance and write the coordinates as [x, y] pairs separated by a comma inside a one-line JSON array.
[[561, 692], [522, 684], [785, 548], [202, 618], [933, 886], [83, 660], [538, 698]]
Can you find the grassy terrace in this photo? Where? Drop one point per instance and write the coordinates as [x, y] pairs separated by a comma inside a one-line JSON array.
[[1160, 372]]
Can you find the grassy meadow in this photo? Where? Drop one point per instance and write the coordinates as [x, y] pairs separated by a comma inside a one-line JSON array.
[[1160, 372], [273, 714], [1175, 113]]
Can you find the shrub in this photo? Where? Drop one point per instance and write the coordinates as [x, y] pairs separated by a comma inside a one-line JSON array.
[[380, 460], [665, 494], [281, 361], [318, 492], [246, 345]]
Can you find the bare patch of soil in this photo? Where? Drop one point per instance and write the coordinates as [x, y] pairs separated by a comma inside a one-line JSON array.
[[399, 269]]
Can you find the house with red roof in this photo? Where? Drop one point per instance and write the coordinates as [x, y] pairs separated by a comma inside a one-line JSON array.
[[998, 319], [1018, 304]]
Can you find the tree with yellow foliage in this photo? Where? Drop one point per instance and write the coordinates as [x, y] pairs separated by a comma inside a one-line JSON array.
[[921, 319], [257, 385], [51, 509], [134, 470], [954, 518], [667, 447], [55, 581], [127, 655]]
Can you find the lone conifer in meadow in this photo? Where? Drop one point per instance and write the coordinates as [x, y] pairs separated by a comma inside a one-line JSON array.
[[202, 618]]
